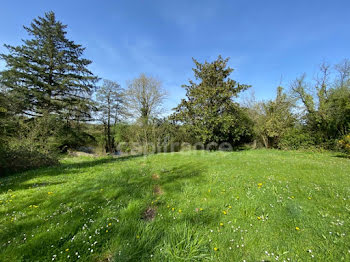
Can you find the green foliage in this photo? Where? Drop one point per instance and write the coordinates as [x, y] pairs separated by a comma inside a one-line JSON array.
[[123, 137], [110, 106], [339, 111], [21, 155], [327, 113], [47, 74], [45, 91], [163, 136], [209, 109], [144, 99], [296, 138], [68, 137], [344, 143], [272, 119], [29, 147], [169, 137], [36, 142]]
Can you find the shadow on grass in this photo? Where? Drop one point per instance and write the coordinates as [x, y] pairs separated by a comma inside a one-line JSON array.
[[342, 156], [144, 236], [17, 181], [124, 195], [100, 161]]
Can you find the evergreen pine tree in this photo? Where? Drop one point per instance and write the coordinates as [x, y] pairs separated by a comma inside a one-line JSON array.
[[47, 73], [209, 110]]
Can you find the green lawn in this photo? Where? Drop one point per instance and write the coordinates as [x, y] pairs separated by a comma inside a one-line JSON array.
[[257, 205]]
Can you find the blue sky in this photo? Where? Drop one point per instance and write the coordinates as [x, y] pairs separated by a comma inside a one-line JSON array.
[[266, 40]]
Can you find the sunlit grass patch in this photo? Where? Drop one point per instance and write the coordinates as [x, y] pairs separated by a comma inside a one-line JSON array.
[[249, 205]]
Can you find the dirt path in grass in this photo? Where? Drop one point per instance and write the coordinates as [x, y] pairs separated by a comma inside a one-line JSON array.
[[150, 213]]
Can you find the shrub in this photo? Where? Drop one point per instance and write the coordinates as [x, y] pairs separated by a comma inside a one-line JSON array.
[[295, 139], [23, 155], [30, 147], [71, 138], [344, 143]]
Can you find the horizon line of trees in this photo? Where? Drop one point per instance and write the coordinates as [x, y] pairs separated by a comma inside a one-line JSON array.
[[48, 96]]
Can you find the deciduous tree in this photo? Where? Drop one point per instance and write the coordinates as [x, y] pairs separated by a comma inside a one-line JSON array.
[[110, 106], [144, 98]]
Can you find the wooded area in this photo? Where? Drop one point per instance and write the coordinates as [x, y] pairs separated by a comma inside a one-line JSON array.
[[50, 103]]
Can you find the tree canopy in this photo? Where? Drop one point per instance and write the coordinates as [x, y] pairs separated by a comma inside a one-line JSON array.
[[210, 110], [48, 73]]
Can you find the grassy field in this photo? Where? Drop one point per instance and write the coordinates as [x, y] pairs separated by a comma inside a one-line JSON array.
[[257, 205]]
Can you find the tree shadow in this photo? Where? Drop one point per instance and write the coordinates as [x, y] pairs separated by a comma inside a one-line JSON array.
[[342, 156], [99, 161], [16, 181], [25, 185], [171, 180], [124, 195]]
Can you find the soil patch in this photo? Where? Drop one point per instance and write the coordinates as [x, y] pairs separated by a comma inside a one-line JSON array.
[[155, 177], [157, 190], [149, 214]]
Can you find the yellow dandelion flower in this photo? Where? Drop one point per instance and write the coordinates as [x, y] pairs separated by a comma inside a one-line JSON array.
[[107, 231], [201, 209], [259, 218], [172, 209], [110, 224], [229, 206], [216, 249], [297, 228], [292, 197], [224, 212], [309, 198], [67, 249], [209, 190], [137, 236], [221, 224], [167, 206], [180, 211], [260, 184], [49, 193]]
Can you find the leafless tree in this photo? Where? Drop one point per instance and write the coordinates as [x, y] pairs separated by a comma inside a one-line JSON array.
[[144, 97], [110, 105], [343, 69]]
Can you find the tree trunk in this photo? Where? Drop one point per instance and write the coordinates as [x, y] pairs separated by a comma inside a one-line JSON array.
[[109, 138], [265, 141]]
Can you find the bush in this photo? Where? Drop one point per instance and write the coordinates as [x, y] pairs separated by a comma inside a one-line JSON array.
[[71, 138], [22, 155], [30, 147], [295, 139], [344, 143]]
